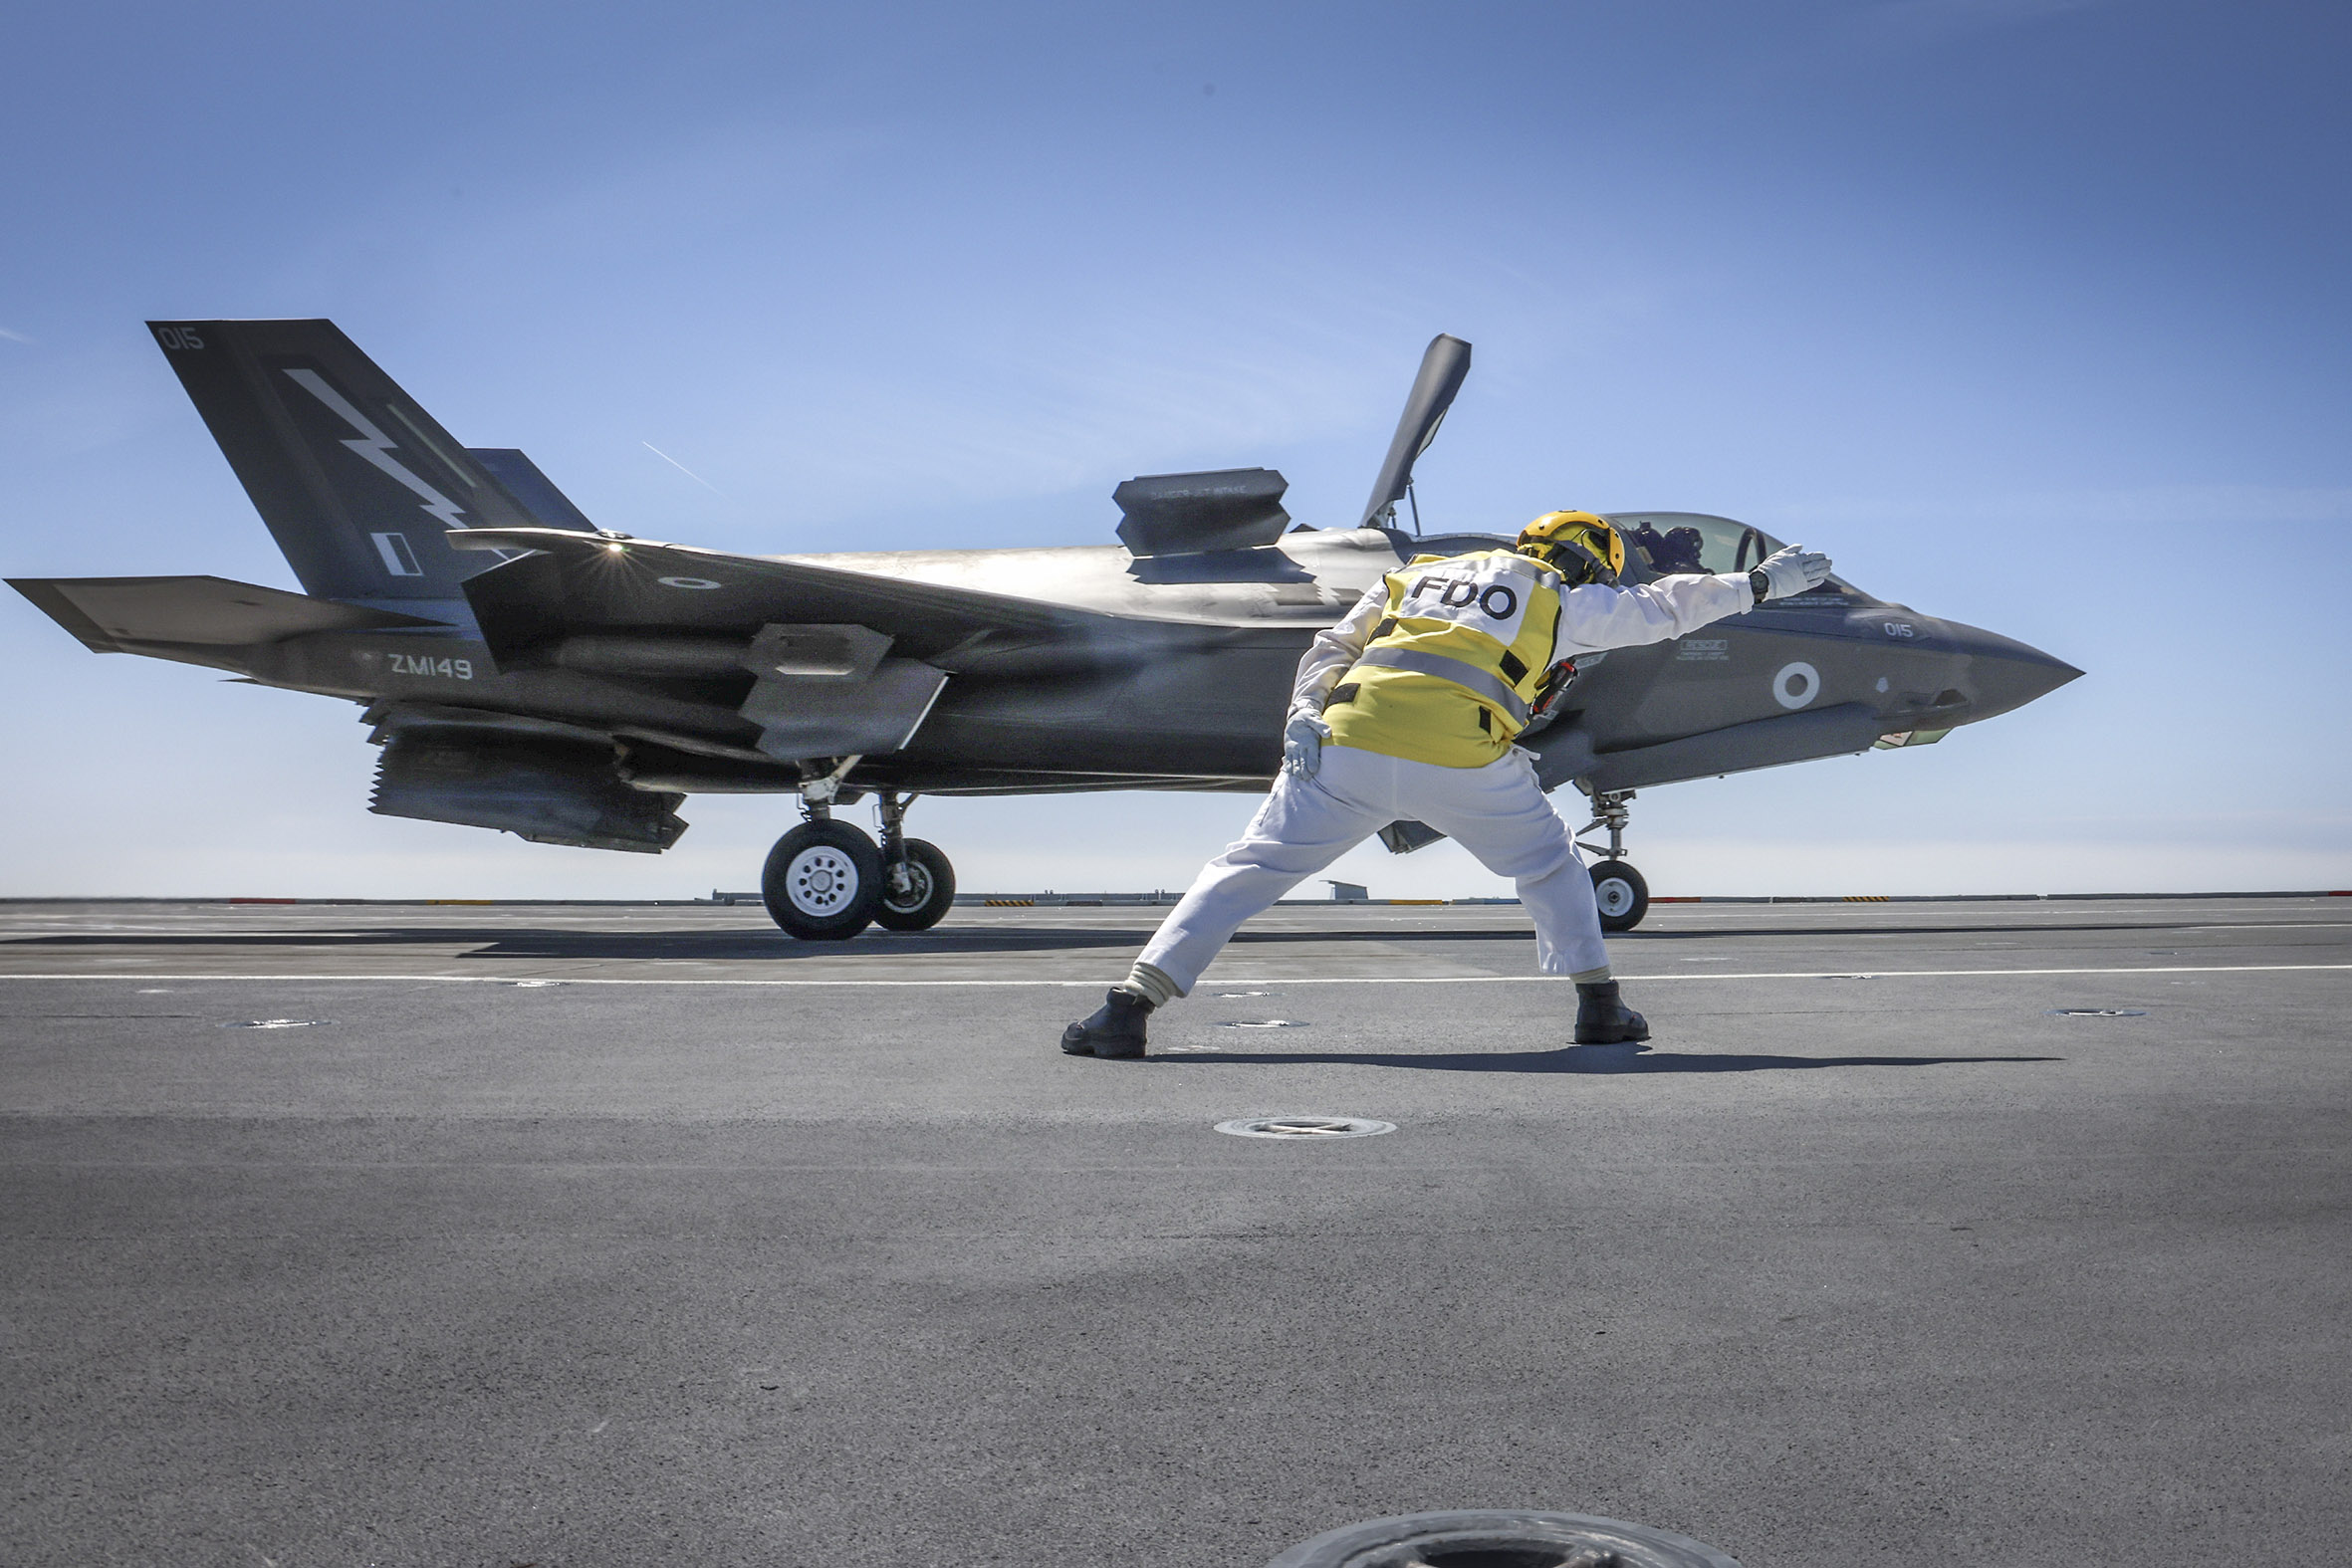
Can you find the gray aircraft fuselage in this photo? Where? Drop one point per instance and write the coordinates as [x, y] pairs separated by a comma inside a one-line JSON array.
[[1191, 696]]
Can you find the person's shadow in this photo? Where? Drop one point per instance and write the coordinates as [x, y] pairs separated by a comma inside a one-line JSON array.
[[1574, 1058]]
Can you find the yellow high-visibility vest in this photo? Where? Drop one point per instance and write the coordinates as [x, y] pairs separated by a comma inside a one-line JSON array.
[[1452, 670]]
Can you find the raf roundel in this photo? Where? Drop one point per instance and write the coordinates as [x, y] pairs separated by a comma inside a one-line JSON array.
[[1797, 685], [690, 583]]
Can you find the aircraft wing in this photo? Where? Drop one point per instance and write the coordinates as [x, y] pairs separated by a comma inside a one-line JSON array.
[[578, 583]]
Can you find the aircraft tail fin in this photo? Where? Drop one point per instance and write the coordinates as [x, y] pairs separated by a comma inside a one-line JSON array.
[[534, 489], [359, 486]]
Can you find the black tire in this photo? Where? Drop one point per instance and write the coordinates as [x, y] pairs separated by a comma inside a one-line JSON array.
[[930, 893], [1622, 895], [823, 881]]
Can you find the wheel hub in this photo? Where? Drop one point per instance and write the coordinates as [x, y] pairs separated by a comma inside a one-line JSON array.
[[822, 880], [908, 888]]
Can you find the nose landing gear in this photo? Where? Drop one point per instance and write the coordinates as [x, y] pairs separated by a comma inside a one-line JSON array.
[[827, 880], [1617, 888]]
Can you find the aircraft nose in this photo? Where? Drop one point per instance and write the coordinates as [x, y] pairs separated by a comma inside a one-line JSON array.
[[2001, 673]]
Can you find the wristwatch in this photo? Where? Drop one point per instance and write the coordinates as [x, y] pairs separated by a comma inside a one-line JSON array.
[[1762, 583]]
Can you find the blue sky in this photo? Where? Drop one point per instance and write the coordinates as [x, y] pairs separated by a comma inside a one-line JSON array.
[[2030, 311]]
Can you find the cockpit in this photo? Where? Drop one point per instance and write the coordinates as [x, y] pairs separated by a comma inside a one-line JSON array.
[[1663, 544], [1658, 544]]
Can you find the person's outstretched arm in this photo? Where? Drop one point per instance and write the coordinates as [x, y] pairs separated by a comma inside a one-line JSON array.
[[1594, 617]]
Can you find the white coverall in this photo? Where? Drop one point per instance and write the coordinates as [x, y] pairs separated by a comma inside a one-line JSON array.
[[1497, 812]]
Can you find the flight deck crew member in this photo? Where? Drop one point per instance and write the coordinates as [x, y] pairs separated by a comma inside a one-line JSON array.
[[1407, 709]]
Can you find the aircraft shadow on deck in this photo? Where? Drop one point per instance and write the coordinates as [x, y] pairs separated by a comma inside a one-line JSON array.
[[1604, 1060], [546, 943]]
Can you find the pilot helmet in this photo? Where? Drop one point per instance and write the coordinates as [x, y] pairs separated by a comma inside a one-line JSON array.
[[1581, 546]]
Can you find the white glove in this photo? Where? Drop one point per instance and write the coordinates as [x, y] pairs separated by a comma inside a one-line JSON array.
[[1303, 744], [1792, 569]]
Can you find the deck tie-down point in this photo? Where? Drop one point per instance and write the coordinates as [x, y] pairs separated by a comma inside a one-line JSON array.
[[1499, 1538], [1310, 1127]]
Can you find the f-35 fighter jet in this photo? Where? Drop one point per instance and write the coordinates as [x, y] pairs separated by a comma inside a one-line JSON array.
[[525, 670]]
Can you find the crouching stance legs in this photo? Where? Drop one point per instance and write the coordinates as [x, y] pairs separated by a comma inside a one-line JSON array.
[[1497, 812], [1301, 828]]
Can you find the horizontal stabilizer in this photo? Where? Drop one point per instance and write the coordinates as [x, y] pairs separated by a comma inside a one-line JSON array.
[[115, 614], [587, 582]]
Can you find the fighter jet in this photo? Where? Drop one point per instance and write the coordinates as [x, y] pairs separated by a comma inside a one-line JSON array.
[[525, 670]]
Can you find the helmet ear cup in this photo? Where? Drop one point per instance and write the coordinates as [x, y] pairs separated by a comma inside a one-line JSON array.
[[1578, 565]]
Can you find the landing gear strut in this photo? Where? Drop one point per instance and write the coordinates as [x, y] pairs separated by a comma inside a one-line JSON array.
[[827, 880], [918, 885], [1617, 888]]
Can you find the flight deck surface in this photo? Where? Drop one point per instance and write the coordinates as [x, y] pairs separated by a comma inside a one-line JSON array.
[[1920, 1232]]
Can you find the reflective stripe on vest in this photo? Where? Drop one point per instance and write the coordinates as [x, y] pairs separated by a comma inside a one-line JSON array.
[[1450, 673], [1460, 671]]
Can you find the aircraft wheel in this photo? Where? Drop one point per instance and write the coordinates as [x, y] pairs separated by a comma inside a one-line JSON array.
[[929, 891], [1622, 895], [823, 881]]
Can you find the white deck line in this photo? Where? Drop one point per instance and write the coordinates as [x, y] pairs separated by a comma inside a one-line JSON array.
[[1223, 979]]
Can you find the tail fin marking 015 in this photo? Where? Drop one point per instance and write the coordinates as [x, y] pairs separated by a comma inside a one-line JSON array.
[[359, 486]]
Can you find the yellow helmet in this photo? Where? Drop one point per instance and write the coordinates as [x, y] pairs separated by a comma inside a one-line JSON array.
[[1579, 546]]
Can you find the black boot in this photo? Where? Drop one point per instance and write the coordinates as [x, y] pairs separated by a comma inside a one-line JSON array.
[[1603, 1020], [1114, 1029]]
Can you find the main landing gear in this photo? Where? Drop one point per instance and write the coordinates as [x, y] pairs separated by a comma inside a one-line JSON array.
[[918, 885], [1617, 888], [827, 880]]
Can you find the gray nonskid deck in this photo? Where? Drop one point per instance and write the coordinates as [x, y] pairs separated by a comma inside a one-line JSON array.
[[1872, 1256]]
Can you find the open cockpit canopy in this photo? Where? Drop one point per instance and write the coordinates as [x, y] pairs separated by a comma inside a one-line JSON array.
[[1657, 544], [1662, 544]]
